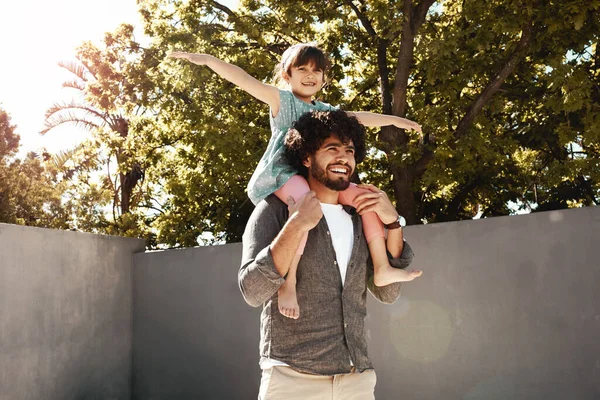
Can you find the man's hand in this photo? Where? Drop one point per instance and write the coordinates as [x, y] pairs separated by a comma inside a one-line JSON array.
[[376, 200], [200, 59], [307, 212]]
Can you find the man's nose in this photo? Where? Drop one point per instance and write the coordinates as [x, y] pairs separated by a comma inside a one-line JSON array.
[[342, 157]]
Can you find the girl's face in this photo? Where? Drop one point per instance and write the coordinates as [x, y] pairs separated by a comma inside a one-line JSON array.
[[305, 81]]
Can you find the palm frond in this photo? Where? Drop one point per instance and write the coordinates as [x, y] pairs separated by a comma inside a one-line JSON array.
[[73, 105], [74, 84], [64, 156], [68, 117], [77, 69]]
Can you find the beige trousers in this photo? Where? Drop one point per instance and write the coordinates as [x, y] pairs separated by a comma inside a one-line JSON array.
[[283, 383]]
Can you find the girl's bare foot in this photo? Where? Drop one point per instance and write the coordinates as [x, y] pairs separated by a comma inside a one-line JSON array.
[[386, 274], [288, 303]]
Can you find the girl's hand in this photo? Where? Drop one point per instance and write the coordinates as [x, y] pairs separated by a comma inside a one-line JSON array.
[[404, 123], [200, 59]]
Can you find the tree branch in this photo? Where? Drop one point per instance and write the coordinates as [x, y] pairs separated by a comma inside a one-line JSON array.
[[151, 208], [421, 163], [219, 27], [493, 86], [454, 205], [359, 95], [224, 8], [485, 96], [382, 45], [275, 47], [384, 73], [363, 19], [420, 14], [413, 19]]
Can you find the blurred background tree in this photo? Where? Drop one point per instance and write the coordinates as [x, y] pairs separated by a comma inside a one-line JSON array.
[[106, 173], [30, 193]]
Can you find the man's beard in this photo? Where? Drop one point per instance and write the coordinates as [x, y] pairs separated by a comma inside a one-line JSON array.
[[320, 175]]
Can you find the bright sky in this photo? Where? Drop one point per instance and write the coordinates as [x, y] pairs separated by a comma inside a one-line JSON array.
[[34, 36]]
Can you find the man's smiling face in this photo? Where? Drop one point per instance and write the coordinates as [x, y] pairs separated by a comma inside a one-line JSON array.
[[333, 164]]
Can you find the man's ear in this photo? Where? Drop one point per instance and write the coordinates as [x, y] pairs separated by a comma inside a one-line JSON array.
[[285, 76], [306, 162]]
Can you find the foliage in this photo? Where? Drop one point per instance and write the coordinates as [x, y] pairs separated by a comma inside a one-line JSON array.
[[507, 92], [29, 191], [106, 172], [9, 140]]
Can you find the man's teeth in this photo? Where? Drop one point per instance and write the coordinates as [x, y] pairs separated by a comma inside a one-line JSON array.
[[339, 170]]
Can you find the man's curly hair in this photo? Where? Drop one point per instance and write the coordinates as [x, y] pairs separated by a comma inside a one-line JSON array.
[[309, 132]]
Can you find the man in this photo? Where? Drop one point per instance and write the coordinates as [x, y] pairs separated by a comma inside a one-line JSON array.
[[323, 354]]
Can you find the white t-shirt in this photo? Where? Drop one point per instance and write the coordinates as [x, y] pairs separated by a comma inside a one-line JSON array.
[[342, 234], [341, 231]]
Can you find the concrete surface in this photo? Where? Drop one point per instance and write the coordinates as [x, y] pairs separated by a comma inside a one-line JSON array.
[[508, 308], [65, 314], [194, 336]]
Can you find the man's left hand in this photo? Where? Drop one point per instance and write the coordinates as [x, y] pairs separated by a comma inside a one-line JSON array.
[[376, 200]]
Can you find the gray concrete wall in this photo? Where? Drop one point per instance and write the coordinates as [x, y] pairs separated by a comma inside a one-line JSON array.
[[508, 308], [194, 336], [65, 314]]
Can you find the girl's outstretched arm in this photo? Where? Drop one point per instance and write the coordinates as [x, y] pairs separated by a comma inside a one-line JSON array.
[[234, 74], [372, 119]]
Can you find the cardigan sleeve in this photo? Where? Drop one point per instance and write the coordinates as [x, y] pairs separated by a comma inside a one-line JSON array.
[[258, 278]]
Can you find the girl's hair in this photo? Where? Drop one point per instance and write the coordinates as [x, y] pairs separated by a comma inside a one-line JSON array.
[[298, 55]]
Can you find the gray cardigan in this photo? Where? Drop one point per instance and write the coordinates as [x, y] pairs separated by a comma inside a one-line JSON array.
[[330, 331]]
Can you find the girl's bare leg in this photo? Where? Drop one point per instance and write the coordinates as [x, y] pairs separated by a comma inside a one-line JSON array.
[[296, 187], [375, 235], [287, 299]]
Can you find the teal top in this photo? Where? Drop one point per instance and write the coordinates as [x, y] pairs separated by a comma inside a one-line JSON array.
[[273, 171]]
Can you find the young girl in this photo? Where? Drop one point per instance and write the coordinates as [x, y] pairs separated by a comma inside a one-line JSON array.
[[303, 68]]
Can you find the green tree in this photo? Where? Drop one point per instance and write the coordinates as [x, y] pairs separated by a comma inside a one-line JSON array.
[[507, 94]]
